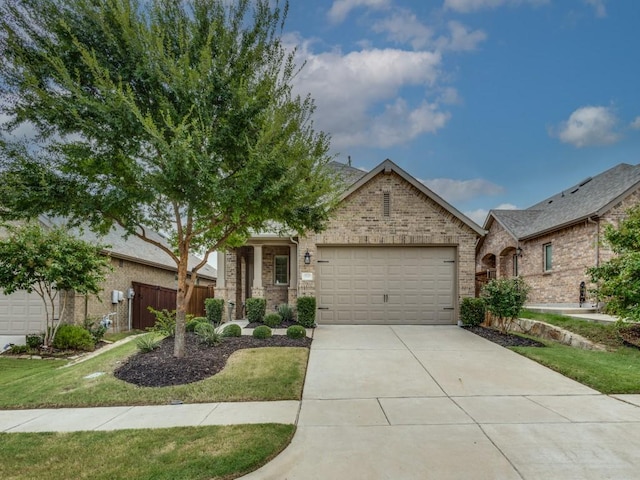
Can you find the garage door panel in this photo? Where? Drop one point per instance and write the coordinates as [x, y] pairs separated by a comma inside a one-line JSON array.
[[21, 313], [389, 285]]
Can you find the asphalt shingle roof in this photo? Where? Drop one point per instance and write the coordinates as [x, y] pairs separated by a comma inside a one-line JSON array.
[[591, 197]]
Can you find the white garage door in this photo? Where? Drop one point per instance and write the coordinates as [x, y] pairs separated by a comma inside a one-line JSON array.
[[386, 285], [21, 313]]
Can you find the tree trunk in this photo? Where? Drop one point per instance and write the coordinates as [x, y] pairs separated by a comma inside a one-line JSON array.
[[181, 306]]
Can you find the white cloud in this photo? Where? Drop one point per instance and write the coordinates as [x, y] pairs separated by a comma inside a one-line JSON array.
[[341, 8], [636, 124], [480, 215], [403, 26], [598, 6], [358, 94], [466, 6], [589, 126], [462, 190]]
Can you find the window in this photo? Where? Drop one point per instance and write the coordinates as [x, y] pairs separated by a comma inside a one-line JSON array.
[[547, 253], [515, 265], [281, 270]]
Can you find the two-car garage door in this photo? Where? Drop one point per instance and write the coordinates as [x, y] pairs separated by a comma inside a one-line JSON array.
[[386, 285]]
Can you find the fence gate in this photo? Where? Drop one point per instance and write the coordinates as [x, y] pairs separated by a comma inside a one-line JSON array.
[[162, 297]]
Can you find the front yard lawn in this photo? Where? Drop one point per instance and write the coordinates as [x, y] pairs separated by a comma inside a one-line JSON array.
[[251, 374], [211, 452]]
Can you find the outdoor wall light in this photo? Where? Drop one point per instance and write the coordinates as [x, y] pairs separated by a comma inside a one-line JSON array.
[[519, 252], [307, 257]]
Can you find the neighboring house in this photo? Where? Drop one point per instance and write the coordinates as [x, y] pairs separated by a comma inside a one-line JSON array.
[[136, 265], [393, 252], [551, 244]]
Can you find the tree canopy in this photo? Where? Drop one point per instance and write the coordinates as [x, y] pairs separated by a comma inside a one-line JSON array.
[[618, 280], [172, 115], [50, 262]]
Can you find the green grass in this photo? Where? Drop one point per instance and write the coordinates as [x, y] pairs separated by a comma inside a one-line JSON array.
[[608, 372], [252, 374], [605, 334], [114, 337], [212, 452]]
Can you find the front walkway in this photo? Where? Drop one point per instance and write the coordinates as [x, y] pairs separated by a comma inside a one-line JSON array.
[[412, 402]]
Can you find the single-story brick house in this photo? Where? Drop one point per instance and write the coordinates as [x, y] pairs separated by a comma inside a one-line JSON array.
[[135, 264], [393, 252], [552, 243]]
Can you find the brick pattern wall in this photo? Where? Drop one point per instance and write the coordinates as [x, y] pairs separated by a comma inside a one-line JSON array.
[[275, 294], [574, 249], [414, 220]]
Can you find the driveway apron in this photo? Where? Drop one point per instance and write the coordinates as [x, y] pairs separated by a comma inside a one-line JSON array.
[[438, 402]]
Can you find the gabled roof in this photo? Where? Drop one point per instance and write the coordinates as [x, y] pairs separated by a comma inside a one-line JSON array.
[[590, 198], [349, 174], [389, 166], [133, 248]]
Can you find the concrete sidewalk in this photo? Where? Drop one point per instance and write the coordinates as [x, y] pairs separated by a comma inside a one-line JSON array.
[[156, 416], [412, 402]]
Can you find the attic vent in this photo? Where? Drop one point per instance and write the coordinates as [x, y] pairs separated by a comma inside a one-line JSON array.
[[575, 190], [585, 181], [550, 201], [386, 204]]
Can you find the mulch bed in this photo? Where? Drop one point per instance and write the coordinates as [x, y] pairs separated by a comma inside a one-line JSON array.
[[630, 334], [504, 339], [160, 368], [285, 324]]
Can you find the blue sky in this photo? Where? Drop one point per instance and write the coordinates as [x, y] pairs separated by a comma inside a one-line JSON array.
[[492, 103]]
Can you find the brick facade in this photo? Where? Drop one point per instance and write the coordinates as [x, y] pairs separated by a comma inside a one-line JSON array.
[[574, 249], [414, 220]]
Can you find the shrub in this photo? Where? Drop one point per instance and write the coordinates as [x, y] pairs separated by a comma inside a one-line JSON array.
[[504, 298], [296, 331], [95, 329], [73, 337], [18, 349], [472, 311], [262, 332], [165, 324], [306, 307], [256, 308], [286, 312], [34, 340], [232, 330], [192, 323], [207, 334], [272, 320], [214, 308], [148, 343]]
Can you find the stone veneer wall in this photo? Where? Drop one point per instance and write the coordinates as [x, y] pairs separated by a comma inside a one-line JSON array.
[[414, 220]]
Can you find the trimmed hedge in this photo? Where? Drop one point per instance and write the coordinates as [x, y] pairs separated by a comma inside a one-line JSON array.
[[214, 308], [256, 308], [73, 337], [296, 331], [262, 332], [472, 311], [232, 330], [306, 307], [272, 320]]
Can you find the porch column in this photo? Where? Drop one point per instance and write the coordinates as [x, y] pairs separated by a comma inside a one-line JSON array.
[[293, 274], [257, 290], [221, 281]]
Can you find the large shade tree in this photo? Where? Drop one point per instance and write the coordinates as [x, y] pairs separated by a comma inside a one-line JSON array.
[[173, 115]]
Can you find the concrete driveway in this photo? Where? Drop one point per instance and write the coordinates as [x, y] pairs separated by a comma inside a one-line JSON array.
[[438, 402]]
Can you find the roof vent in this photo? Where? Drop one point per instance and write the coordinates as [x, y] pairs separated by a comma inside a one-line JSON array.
[[585, 181], [575, 190]]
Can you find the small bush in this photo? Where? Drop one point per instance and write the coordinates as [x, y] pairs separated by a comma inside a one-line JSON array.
[[165, 324], [190, 326], [504, 298], [214, 308], [18, 349], [296, 331], [286, 312], [272, 320], [232, 330], [472, 311], [34, 340], [207, 334], [148, 343], [73, 337], [95, 329], [306, 307], [256, 308], [262, 332]]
